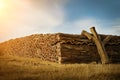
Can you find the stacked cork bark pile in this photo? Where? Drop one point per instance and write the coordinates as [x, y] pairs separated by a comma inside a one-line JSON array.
[[35, 46], [61, 48]]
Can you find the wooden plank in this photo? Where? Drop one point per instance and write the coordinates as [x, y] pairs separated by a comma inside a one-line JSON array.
[[100, 46], [107, 39], [88, 35]]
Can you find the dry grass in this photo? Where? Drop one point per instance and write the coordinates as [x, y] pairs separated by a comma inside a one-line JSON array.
[[16, 68]]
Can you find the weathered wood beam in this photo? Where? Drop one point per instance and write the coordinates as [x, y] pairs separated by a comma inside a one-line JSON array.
[[87, 34], [107, 39], [99, 44]]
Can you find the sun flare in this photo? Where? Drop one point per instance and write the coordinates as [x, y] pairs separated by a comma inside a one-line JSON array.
[[2, 4]]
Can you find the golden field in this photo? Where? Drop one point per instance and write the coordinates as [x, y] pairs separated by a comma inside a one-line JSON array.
[[19, 68]]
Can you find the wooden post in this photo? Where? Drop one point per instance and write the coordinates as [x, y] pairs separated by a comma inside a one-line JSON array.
[[99, 44]]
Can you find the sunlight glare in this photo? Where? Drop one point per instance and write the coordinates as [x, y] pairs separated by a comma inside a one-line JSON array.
[[2, 4]]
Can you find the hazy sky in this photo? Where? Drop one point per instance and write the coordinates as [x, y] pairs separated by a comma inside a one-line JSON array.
[[25, 17]]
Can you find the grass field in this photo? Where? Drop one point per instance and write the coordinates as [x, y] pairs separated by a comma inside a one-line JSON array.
[[16, 68]]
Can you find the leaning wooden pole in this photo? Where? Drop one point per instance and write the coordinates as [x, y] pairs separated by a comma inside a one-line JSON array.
[[99, 44]]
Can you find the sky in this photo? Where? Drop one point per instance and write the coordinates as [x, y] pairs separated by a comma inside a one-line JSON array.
[[19, 18]]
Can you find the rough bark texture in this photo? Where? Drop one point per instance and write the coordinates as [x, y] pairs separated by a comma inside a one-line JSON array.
[[38, 45], [61, 48]]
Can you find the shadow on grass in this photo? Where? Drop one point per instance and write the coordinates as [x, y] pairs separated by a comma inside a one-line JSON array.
[[105, 76], [102, 76], [39, 78]]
